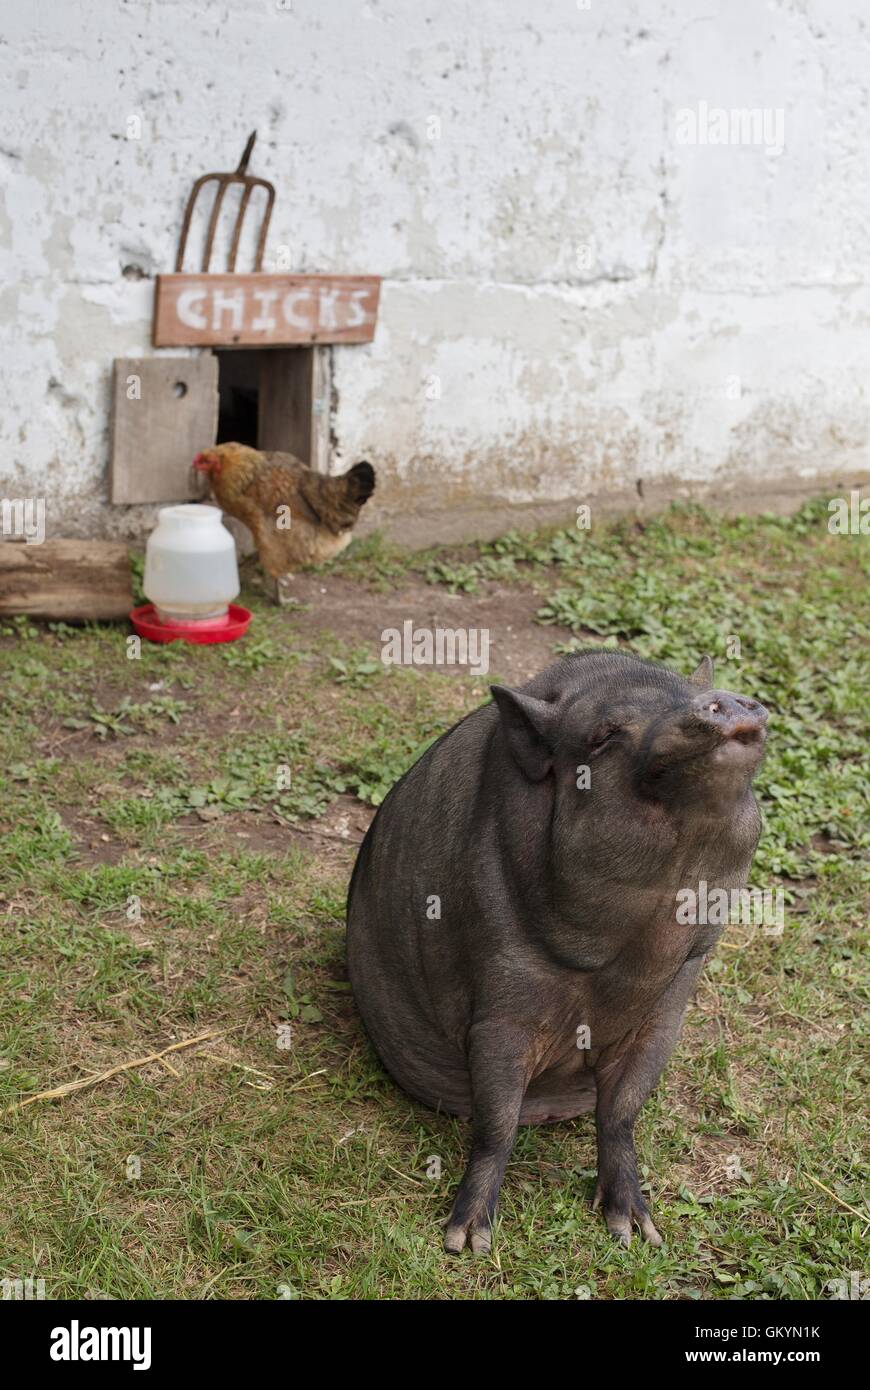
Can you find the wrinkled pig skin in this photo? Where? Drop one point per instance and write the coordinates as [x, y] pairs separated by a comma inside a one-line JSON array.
[[557, 905]]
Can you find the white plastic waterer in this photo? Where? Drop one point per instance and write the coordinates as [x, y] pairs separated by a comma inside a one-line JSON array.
[[191, 574]]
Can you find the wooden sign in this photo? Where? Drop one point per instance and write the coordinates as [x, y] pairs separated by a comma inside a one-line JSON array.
[[204, 310]]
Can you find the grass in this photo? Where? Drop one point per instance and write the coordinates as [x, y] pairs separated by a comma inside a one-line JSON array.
[[174, 863]]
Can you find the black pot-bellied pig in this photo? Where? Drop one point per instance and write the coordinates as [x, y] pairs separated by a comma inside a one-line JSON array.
[[515, 944]]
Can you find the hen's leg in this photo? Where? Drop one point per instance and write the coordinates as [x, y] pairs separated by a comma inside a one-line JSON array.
[[286, 597], [279, 590], [498, 1059], [623, 1086]]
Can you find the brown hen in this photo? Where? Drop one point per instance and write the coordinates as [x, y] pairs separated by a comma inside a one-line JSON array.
[[295, 515]]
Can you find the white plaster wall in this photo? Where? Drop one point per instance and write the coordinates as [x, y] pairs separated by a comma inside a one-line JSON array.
[[602, 306]]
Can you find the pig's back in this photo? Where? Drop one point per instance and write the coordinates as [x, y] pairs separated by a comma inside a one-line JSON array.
[[411, 889]]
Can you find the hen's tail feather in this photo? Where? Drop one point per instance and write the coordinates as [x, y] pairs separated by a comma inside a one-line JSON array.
[[360, 481]]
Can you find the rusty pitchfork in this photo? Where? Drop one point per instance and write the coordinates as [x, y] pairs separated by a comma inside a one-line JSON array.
[[249, 183]]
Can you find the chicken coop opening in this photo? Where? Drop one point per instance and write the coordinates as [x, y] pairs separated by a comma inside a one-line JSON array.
[[276, 399], [239, 397]]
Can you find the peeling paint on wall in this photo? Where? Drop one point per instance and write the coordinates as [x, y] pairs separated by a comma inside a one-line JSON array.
[[574, 301]]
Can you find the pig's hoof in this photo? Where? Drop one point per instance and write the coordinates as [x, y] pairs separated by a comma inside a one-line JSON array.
[[475, 1234], [619, 1219]]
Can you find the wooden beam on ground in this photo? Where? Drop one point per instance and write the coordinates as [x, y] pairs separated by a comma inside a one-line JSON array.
[[69, 580]]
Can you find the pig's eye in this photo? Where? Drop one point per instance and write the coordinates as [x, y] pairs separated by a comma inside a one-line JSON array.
[[602, 736]]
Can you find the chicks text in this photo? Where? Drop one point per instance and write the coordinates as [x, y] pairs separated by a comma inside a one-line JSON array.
[[264, 310]]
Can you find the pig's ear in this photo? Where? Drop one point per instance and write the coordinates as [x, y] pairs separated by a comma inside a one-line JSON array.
[[529, 727], [704, 674]]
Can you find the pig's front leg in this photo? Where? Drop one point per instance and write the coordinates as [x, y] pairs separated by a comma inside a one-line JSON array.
[[623, 1086], [499, 1059]]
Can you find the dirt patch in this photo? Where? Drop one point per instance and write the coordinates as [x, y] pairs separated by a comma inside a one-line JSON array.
[[337, 833], [93, 847], [518, 646]]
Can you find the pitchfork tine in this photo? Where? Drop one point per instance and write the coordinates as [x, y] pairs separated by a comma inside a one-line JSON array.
[[237, 232], [243, 162], [264, 225], [213, 220]]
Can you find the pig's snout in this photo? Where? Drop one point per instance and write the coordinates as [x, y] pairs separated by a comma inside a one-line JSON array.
[[726, 726], [731, 716]]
